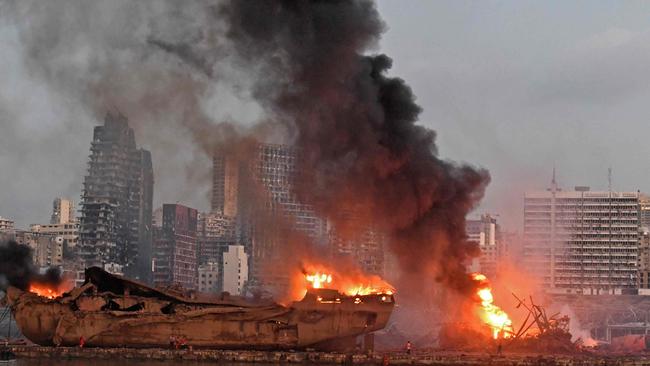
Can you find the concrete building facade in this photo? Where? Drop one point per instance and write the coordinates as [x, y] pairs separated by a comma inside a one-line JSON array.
[[63, 211], [6, 225], [485, 232], [644, 260], [235, 270], [68, 231], [47, 248], [259, 189], [582, 241], [215, 233], [115, 222], [366, 248], [175, 248], [209, 278]]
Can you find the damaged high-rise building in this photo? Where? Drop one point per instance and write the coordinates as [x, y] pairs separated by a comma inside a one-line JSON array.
[[258, 192], [116, 201]]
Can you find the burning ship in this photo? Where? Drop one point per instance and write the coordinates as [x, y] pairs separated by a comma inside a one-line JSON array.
[[112, 311]]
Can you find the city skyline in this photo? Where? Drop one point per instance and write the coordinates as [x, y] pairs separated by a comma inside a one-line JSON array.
[[461, 99]]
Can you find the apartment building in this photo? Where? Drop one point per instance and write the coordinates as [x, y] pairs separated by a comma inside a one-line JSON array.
[[582, 241]]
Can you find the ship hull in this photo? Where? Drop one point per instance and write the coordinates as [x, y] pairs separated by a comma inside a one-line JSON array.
[[141, 317]]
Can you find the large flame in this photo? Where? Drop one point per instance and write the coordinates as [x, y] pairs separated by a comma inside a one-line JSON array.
[[351, 283], [317, 280], [497, 319], [51, 291]]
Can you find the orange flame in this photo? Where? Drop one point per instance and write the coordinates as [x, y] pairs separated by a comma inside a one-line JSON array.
[[49, 291], [351, 283], [497, 319], [318, 279]]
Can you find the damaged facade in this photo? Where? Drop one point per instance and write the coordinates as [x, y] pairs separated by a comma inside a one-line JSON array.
[[175, 248], [117, 199]]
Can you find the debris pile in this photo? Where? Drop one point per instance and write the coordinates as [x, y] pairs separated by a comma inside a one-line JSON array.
[[539, 332]]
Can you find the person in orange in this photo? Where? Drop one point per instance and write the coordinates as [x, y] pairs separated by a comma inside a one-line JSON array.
[[408, 347], [82, 342]]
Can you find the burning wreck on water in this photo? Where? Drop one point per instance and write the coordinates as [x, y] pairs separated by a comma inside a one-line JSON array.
[[112, 311]]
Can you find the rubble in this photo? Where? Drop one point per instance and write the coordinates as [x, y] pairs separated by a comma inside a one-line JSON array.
[[539, 332]]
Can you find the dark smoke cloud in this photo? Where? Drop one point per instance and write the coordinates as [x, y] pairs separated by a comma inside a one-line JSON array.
[[188, 74], [17, 269], [356, 128]]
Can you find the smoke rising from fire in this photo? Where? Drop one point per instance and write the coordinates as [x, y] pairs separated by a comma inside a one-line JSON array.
[[356, 129], [195, 77], [17, 269]]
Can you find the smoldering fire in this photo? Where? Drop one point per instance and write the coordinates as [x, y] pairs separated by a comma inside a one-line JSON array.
[[17, 269]]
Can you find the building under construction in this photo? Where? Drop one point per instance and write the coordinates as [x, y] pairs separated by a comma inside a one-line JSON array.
[[582, 241], [116, 206]]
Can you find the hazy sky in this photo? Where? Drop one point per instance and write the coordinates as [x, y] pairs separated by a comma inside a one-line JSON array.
[[512, 86], [517, 86]]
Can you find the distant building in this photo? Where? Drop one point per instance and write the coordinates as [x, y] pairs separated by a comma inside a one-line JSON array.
[[486, 234], [68, 231], [367, 247], [6, 225], [209, 278], [215, 233], [259, 190], [235, 270], [644, 212], [47, 249], [644, 260], [509, 247], [225, 184], [116, 205], [175, 248], [582, 241], [63, 211]]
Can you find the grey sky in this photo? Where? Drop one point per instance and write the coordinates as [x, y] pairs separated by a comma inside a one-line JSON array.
[[513, 86], [517, 86]]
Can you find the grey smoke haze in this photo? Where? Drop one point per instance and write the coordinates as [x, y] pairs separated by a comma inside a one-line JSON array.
[[512, 86]]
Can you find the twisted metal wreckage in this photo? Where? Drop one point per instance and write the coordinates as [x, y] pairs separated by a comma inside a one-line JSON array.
[[112, 311]]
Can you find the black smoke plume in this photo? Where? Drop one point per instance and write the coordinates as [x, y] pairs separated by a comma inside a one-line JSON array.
[[17, 269], [357, 130], [309, 69]]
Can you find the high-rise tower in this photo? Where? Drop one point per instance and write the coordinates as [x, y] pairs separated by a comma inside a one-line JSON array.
[[116, 201]]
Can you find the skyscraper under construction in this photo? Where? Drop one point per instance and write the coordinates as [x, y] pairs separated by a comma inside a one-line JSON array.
[[116, 201]]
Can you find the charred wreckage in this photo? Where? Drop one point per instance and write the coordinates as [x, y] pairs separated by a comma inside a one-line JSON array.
[[112, 311]]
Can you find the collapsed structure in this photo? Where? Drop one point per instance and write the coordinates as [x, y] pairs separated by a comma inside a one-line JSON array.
[[111, 311]]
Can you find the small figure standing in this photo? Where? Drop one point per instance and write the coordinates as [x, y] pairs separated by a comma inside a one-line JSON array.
[[82, 342], [408, 347]]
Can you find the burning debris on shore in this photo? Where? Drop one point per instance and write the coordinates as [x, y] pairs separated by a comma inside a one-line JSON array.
[[537, 332]]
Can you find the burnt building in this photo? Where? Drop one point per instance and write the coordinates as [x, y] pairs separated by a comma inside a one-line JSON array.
[[116, 201], [258, 192], [175, 260]]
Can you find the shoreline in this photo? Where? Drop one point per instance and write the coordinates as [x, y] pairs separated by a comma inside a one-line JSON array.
[[328, 358]]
